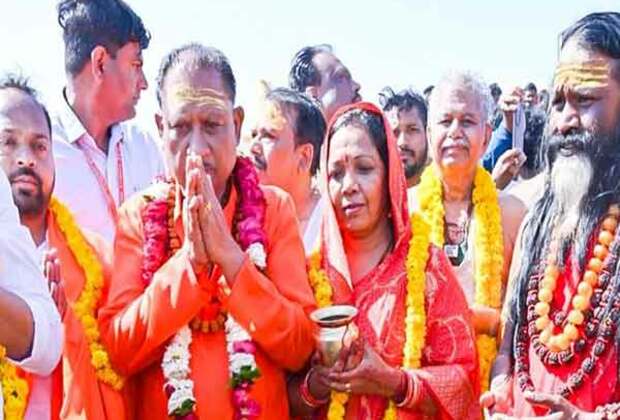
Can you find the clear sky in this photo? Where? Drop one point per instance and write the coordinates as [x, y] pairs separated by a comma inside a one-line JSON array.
[[388, 42]]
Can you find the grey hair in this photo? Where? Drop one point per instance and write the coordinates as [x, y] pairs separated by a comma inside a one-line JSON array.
[[467, 81]]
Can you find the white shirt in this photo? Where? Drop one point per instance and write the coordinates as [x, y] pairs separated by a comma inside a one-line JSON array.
[[20, 274], [313, 228], [40, 392], [76, 183]]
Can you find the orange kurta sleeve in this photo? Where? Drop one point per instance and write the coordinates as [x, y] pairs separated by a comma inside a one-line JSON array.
[[274, 308], [77, 393], [136, 320]]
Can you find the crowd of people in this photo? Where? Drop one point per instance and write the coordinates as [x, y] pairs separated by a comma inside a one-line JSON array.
[[472, 232]]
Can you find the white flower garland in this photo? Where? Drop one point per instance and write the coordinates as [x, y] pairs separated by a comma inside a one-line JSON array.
[[175, 363]]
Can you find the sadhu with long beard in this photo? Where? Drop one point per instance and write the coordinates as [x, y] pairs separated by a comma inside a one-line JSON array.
[[559, 357]]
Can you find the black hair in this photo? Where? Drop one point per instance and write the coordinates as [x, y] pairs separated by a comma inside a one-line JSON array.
[[428, 90], [535, 120], [89, 23], [405, 100], [531, 86], [372, 123], [303, 72], [496, 91], [310, 124], [21, 83], [202, 57], [599, 32]]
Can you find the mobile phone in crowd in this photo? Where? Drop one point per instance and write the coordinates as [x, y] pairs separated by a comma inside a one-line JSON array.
[[518, 128]]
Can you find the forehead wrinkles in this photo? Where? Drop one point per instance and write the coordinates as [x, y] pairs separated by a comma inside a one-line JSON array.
[[187, 94]]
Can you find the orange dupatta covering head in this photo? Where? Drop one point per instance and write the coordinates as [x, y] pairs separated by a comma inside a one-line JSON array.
[[449, 358]]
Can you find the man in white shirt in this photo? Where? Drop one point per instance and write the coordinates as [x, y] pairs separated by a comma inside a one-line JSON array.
[[285, 148], [30, 326], [101, 161]]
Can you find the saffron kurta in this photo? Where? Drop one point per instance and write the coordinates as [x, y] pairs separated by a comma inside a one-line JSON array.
[[84, 396], [138, 321]]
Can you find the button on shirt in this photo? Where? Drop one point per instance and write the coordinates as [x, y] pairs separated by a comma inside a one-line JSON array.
[[77, 184], [21, 275]]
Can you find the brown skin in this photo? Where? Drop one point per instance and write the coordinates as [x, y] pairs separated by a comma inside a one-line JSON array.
[[107, 90], [24, 136], [282, 163], [573, 108], [359, 193], [25, 143], [337, 86], [530, 98], [458, 136], [199, 145], [410, 135]]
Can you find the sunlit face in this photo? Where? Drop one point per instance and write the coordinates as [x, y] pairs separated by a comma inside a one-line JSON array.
[[123, 82], [457, 129], [357, 181], [410, 135], [26, 151], [337, 86], [586, 95], [198, 116], [273, 148]]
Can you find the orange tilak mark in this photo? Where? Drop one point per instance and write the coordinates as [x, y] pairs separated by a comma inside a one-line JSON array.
[[583, 75], [204, 96]]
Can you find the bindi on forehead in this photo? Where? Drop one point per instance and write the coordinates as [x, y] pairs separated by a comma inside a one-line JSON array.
[[582, 75]]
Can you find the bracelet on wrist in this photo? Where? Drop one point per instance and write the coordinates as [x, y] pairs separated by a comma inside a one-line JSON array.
[[306, 395]]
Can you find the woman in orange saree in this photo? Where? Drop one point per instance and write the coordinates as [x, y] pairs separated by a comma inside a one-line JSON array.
[[417, 361]]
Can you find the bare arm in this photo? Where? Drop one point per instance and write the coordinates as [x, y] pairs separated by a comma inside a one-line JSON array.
[[16, 326]]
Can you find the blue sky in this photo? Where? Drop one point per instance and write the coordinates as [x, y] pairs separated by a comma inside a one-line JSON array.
[[389, 42]]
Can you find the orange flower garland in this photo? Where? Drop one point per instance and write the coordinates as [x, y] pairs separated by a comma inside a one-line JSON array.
[[585, 288]]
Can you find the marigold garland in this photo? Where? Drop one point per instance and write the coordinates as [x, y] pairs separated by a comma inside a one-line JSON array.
[[415, 318], [488, 242], [14, 389], [85, 307]]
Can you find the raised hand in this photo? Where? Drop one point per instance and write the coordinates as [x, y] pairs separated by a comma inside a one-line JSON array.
[[193, 243], [220, 246], [507, 167], [51, 270]]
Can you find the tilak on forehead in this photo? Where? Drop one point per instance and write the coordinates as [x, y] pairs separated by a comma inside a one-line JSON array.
[[588, 74], [273, 114], [201, 96]]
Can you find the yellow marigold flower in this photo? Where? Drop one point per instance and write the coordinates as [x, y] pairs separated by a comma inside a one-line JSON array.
[[488, 242], [415, 318], [86, 305]]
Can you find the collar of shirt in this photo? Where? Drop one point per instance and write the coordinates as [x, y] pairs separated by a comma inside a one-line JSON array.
[[75, 130]]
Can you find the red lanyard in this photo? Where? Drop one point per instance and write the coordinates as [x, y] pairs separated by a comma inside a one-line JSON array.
[[101, 179]]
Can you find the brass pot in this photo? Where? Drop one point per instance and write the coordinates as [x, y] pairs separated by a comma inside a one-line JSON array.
[[336, 331]]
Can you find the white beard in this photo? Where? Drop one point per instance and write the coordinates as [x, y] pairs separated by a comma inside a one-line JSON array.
[[571, 177]]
